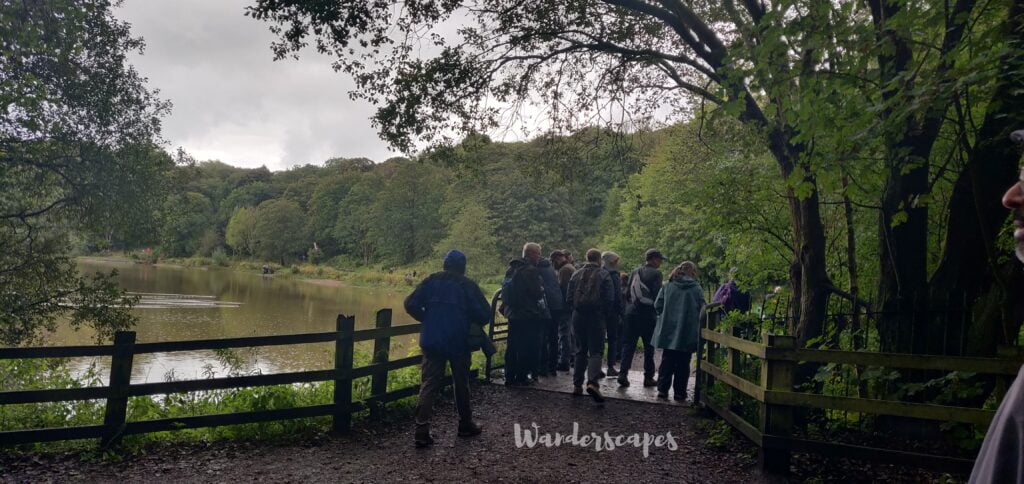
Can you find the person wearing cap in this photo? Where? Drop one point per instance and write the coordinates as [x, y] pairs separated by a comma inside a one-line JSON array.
[[447, 303], [1001, 458], [643, 286]]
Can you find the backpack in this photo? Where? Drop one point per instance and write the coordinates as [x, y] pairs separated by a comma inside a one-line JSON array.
[[638, 291], [587, 294]]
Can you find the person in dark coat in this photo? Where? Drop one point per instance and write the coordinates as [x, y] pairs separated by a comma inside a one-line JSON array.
[[562, 261], [447, 303], [613, 324], [644, 285], [679, 305], [549, 331], [524, 303], [590, 296]]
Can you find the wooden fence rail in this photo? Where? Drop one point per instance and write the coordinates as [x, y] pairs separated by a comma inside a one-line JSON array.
[[776, 399], [120, 388]]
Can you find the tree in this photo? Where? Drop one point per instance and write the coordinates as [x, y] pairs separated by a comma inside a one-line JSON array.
[[355, 218], [323, 210], [406, 222], [471, 230], [241, 231], [280, 231], [76, 135], [186, 217]]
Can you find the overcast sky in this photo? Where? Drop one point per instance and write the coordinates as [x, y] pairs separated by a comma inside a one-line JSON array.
[[232, 102]]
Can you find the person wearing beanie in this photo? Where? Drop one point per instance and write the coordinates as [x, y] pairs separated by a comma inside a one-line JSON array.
[[448, 304]]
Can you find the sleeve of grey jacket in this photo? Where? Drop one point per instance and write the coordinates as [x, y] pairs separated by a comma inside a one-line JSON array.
[[1001, 459]]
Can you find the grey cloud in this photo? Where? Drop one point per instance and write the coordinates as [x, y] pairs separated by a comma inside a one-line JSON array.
[[232, 101]]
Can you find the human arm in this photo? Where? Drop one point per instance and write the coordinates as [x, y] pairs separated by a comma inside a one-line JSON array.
[[415, 303]]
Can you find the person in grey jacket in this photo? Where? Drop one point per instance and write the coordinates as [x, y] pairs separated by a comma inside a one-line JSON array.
[[679, 305], [590, 296]]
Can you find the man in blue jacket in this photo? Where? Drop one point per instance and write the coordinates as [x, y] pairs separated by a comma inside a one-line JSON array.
[[447, 303]]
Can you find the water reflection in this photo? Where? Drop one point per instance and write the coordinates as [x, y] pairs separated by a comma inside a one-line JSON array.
[[268, 306]]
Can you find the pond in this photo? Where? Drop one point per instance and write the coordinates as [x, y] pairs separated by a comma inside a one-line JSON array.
[[181, 303]]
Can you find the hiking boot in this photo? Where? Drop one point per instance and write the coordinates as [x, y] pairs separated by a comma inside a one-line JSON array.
[[623, 380], [612, 371], [595, 392], [662, 396], [650, 382], [601, 374], [577, 390], [469, 428], [679, 398], [423, 437]]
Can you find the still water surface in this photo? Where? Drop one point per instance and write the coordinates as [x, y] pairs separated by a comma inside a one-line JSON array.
[[266, 306]]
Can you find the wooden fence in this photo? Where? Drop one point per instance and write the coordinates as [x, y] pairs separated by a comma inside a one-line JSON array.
[[776, 399], [120, 388]]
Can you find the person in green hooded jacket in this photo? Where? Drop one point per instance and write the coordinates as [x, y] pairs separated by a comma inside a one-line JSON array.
[[679, 304]]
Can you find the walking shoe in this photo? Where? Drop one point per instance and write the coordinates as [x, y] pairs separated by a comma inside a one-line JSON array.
[[679, 398], [612, 371], [423, 437], [601, 374], [577, 390], [650, 382], [595, 391], [469, 428], [663, 396], [623, 380]]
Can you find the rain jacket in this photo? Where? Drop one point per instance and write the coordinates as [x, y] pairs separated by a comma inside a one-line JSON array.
[[447, 303], [552, 291], [522, 292], [679, 305]]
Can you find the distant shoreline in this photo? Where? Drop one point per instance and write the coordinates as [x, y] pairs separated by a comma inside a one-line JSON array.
[[322, 275]]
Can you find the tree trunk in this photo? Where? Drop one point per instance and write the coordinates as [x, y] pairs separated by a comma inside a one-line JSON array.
[[972, 268]]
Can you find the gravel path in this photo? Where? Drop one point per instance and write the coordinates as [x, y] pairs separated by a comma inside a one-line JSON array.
[[384, 453]]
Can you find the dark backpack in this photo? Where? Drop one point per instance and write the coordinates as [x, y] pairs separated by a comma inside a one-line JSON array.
[[587, 294]]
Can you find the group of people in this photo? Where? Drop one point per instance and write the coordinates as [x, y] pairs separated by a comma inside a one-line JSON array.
[[561, 317], [558, 311]]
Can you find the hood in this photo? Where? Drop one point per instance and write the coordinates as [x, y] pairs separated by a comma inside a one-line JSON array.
[[516, 263], [455, 261], [544, 263], [685, 282]]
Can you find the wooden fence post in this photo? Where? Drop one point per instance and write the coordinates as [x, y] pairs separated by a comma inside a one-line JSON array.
[[381, 353], [776, 420], [489, 363], [343, 349], [734, 367], [116, 411]]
